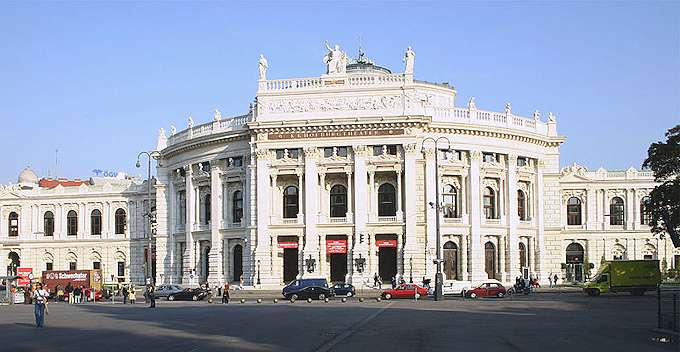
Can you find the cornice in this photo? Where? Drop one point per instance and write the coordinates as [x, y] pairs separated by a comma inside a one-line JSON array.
[[202, 142]]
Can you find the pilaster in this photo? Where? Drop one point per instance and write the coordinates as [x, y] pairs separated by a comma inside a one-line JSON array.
[[215, 256], [476, 248], [513, 220], [311, 189]]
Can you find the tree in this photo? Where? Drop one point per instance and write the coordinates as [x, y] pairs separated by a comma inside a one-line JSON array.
[[663, 158]]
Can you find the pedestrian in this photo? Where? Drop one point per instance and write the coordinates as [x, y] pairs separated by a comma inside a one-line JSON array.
[[402, 281], [40, 297], [225, 293], [125, 294], [83, 295], [550, 280], [76, 295], [152, 296], [376, 280], [132, 294], [393, 282], [69, 292], [240, 279], [555, 280]]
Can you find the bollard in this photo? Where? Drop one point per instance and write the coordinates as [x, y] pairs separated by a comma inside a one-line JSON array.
[[309, 300], [344, 300], [276, 300], [259, 300], [243, 300], [378, 299], [361, 299], [292, 300], [326, 300]]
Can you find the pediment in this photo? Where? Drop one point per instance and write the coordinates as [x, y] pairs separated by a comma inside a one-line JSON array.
[[574, 178]]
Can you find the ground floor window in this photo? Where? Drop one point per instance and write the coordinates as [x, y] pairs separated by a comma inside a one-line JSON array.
[[48, 266], [96, 265], [121, 268], [72, 266]]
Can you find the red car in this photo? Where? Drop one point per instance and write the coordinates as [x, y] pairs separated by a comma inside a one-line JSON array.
[[405, 291], [487, 289]]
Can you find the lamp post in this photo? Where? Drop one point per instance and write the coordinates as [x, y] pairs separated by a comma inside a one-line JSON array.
[[258, 271], [410, 263], [439, 277], [150, 155]]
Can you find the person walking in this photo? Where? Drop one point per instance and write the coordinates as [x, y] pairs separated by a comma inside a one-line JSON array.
[[40, 297], [76, 295], [69, 292], [132, 294], [152, 296], [225, 293], [550, 280], [555, 280], [125, 294]]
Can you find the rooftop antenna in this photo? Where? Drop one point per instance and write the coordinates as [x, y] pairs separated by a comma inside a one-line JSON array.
[[56, 162]]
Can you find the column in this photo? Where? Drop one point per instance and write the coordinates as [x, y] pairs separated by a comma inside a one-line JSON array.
[[540, 245], [323, 207], [501, 257], [590, 215], [216, 269], [400, 213], [430, 214], [463, 258], [513, 219], [311, 187], [533, 263], [349, 196], [83, 218], [630, 209], [189, 252], [301, 199], [476, 249], [275, 212], [411, 200], [163, 268], [262, 249], [372, 200], [171, 224], [361, 213], [59, 232]]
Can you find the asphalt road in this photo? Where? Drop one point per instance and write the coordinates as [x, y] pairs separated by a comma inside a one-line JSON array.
[[541, 322]]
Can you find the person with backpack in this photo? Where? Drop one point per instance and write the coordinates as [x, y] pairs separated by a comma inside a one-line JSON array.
[[40, 297]]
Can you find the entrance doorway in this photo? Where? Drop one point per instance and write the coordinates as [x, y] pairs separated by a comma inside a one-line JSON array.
[[290, 264], [490, 260], [574, 262], [336, 250], [387, 263], [238, 262], [451, 261]]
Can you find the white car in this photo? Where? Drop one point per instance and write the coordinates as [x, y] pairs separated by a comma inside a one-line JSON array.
[[452, 287]]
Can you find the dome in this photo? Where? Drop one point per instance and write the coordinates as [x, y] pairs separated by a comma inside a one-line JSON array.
[[27, 176], [362, 65]]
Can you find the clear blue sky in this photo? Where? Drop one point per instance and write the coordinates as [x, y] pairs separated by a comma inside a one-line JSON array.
[[97, 80]]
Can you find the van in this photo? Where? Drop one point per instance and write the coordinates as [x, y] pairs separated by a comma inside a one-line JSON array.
[[634, 276]]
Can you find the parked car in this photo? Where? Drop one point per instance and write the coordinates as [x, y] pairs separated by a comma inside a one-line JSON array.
[[343, 289], [404, 291], [313, 292], [166, 290], [491, 288], [188, 294], [453, 287], [295, 287]]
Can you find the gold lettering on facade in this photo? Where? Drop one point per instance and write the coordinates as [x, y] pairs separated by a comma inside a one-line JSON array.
[[333, 134]]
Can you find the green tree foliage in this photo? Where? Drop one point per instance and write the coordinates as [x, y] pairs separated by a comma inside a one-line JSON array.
[[663, 158]]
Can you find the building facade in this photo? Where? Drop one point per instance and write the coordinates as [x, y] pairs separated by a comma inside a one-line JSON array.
[[338, 176]]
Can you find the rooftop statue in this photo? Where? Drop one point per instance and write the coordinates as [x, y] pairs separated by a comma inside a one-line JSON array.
[[173, 130], [191, 122], [335, 60], [409, 58], [263, 66], [218, 116], [472, 104]]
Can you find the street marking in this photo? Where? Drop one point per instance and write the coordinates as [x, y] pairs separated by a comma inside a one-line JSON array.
[[336, 340]]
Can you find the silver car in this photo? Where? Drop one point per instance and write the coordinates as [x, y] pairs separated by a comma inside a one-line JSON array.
[[166, 290]]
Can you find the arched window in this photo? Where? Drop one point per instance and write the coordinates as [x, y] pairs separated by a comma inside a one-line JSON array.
[[121, 221], [489, 203], [386, 200], [646, 211], [207, 208], [450, 200], [338, 201], [237, 207], [521, 205], [48, 223], [72, 223], [616, 211], [573, 211], [290, 202], [96, 222], [182, 207], [13, 224]]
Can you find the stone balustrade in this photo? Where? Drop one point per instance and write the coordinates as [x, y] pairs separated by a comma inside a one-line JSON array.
[[279, 85], [226, 125]]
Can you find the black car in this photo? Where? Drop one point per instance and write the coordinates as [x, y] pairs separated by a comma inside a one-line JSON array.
[[343, 290], [313, 292], [189, 294]]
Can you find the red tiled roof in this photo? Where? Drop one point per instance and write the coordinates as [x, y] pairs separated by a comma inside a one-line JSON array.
[[51, 182]]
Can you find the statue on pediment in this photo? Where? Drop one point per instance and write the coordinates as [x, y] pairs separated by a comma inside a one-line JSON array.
[[574, 169], [335, 60], [263, 65], [409, 59]]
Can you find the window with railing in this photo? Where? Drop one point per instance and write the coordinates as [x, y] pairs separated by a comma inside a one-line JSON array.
[[338, 201], [291, 205], [386, 200]]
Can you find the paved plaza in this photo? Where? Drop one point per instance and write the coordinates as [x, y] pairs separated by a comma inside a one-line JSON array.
[[544, 321]]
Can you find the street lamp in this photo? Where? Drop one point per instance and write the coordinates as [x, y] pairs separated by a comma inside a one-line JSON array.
[[438, 278], [258, 271], [410, 262], [150, 155]]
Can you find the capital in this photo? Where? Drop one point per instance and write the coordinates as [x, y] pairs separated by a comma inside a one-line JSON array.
[[476, 155], [262, 153], [411, 148], [360, 150]]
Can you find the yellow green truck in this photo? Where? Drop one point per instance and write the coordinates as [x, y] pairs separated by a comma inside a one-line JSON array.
[[634, 276]]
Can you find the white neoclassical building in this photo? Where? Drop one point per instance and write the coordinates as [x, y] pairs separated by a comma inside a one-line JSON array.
[[336, 176]]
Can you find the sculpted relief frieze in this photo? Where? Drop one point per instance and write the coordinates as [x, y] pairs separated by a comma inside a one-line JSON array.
[[386, 102]]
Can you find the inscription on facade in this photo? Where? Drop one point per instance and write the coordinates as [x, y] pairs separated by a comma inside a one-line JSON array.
[[332, 134]]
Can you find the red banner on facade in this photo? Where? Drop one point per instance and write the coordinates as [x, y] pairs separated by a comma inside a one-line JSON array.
[[288, 244], [25, 276], [336, 246], [386, 243]]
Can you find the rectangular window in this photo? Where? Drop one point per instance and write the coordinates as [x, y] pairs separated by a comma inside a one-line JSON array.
[[522, 161], [384, 149], [294, 153], [48, 266], [450, 154], [648, 257], [335, 151], [72, 266], [489, 157], [49, 226], [96, 265], [121, 268], [236, 161], [287, 153]]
